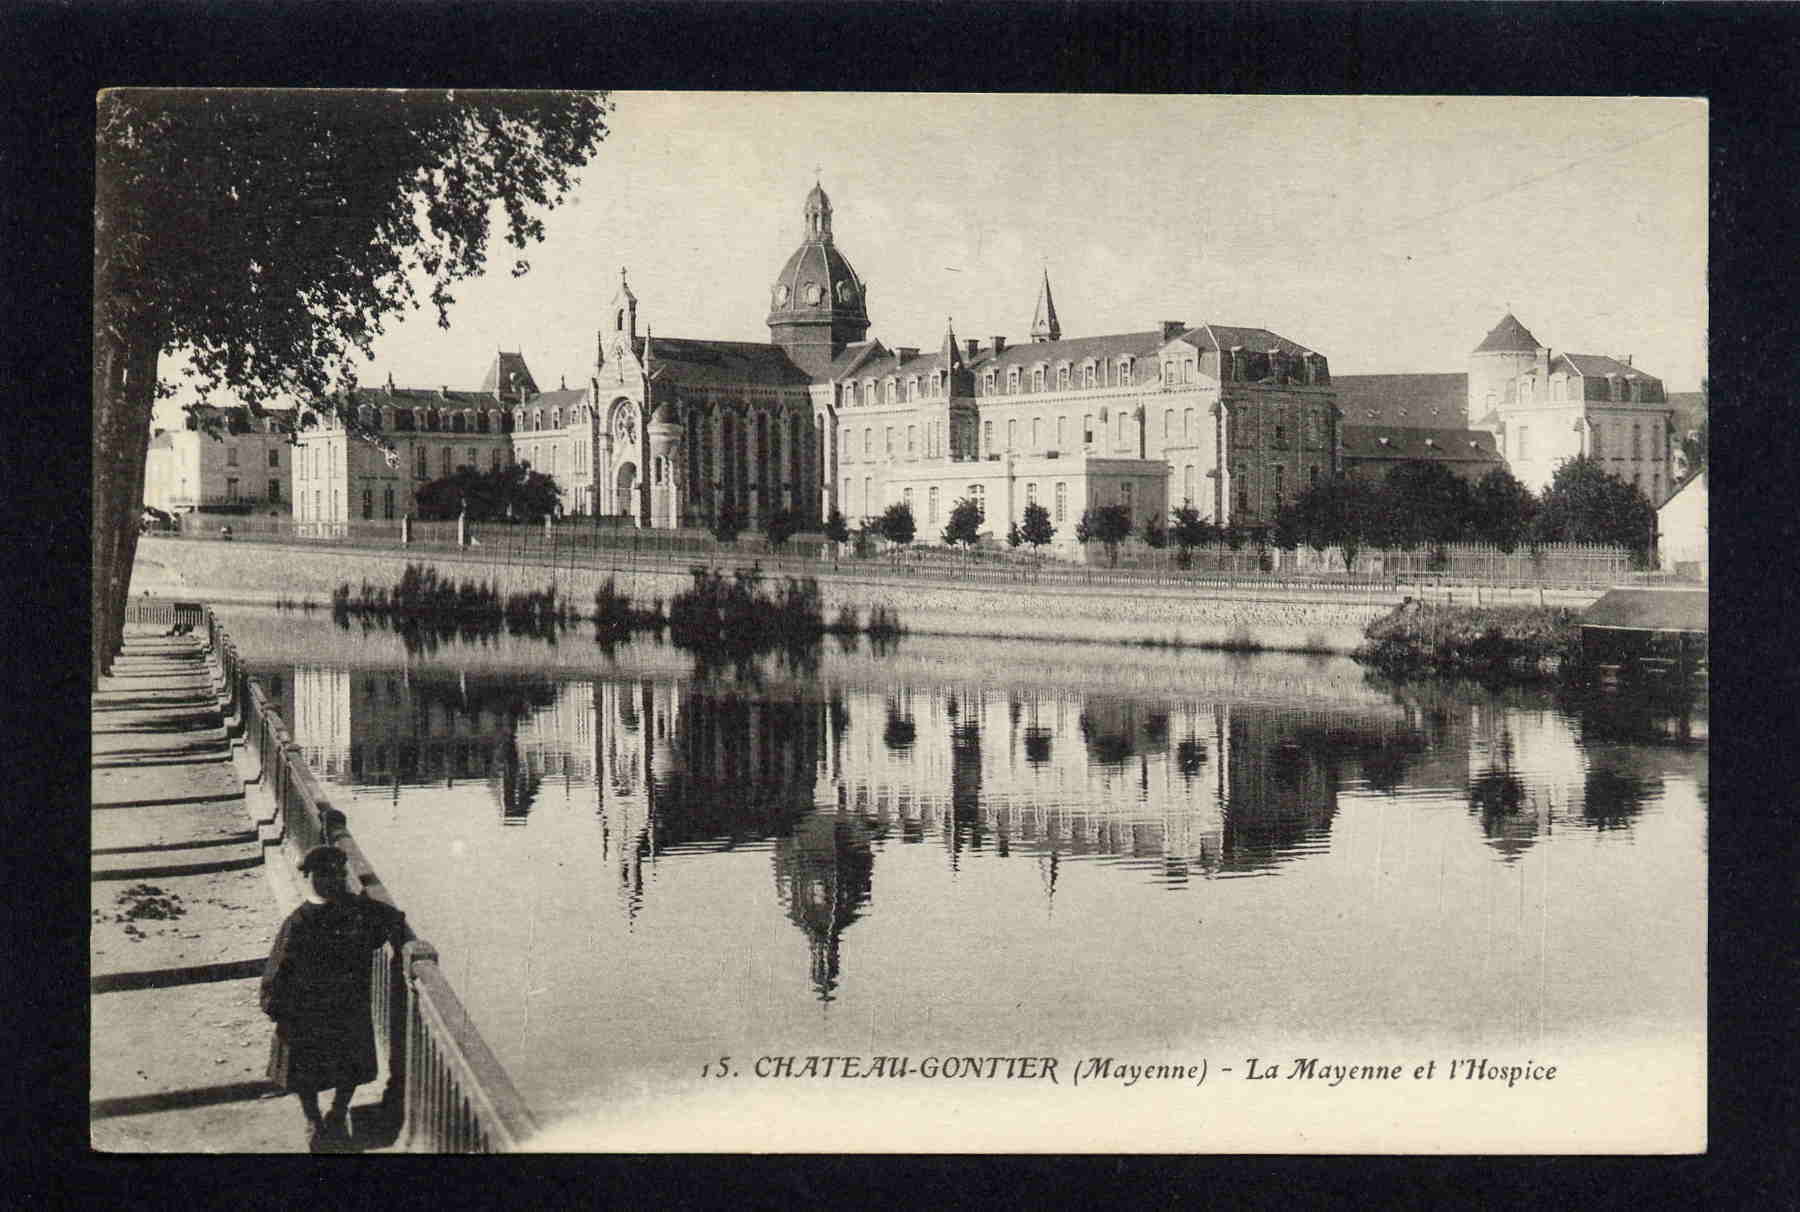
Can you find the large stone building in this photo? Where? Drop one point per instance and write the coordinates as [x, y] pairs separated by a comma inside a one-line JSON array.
[[670, 431], [1518, 405], [244, 468]]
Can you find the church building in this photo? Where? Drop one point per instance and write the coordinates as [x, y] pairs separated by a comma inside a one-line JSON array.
[[670, 431]]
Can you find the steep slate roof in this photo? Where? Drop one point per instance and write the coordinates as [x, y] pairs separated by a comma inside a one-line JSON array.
[[424, 397], [500, 372], [1649, 610], [1436, 445], [722, 363], [562, 397], [846, 364], [1074, 349], [1599, 366], [1424, 401], [1226, 337], [1509, 336]]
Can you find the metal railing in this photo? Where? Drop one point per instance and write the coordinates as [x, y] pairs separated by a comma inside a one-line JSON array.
[[446, 1092], [163, 612]]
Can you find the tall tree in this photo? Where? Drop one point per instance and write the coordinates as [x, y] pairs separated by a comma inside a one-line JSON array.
[[1430, 503], [1190, 530], [1587, 504], [514, 491], [267, 235], [1501, 509]]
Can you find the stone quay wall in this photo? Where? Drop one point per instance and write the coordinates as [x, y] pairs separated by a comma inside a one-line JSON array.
[[925, 603]]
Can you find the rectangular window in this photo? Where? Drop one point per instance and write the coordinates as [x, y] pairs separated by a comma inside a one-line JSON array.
[[1637, 437], [1168, 424], [1062, 501], [1062, 378], [868, 442], [1124, 374], [912, 434], [1012, 381], [1125, 495], [868, 496], [1524, 442], [316, 495], [1187, 425], [931, 500], [1124, 422], [275, 457], [987, 435], [1062, 433], [444, 460], [231, 456], [274, 490], [1031, 494], [231, 489], [1087, 376], [906, 498], [1087, 428], [419, 471], [368, 504], [888, 441], [1037, 437], [1037, 379], [1012, 432]]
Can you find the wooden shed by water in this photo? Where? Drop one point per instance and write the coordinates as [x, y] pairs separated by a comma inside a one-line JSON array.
[[1649, 631]]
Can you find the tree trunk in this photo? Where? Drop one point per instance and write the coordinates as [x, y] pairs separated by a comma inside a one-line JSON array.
[[124, 399]]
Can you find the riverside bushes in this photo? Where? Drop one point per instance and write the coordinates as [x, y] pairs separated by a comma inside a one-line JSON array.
[[741, 614], [423, 606], [1474, 641]]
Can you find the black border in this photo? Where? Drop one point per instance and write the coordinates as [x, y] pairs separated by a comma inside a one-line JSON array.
[[1744, 58]]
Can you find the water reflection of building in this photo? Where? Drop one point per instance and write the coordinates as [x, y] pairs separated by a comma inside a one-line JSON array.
[[377, 727]]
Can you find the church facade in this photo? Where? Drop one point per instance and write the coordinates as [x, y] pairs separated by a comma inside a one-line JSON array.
[[672, 431]]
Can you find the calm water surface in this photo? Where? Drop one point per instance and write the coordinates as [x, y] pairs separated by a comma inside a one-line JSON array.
[[631, 866]]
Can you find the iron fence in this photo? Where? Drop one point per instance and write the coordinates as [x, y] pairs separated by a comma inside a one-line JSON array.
[[446, 1092]]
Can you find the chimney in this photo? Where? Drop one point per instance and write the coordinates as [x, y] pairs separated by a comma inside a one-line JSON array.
[[999, 344], [973, 347], [1172, 329]]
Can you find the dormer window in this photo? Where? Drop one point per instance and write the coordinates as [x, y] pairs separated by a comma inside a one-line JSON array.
[[987, 383], [1125, 372], [1087, 375], [1012, 381], [1062, 378], [1037, 379]]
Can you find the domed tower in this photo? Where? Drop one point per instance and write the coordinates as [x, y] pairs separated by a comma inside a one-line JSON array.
[[818, 305], [1506, 353]]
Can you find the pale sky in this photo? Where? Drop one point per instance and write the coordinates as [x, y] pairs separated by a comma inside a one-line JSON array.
[[1389, 233]]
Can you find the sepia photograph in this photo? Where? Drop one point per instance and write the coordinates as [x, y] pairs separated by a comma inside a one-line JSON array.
[[871, 622]]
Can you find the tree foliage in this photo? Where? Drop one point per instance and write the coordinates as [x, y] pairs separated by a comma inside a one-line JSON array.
[[780, 526], [1501, 509], [728, 523], [836, 528], [1189, 530], [1108, 525], [1587, 504], [1425, 502], [964, 526], [514, 492], [1155, 531], [1037, 529], [896, 524], [267, 235], [1343, 512]]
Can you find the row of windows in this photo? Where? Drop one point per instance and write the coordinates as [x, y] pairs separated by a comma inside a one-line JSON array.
[[1091, 373], [1618, 387]]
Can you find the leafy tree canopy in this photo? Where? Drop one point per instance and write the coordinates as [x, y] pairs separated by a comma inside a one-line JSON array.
[[1501, 509], [727, 523], [1587, 504], [1189, 529], [513, 492], [896, 524], [964, 526], [1426, 503], [1106, 524], [1037, 529], [836, 528], [781, 526]]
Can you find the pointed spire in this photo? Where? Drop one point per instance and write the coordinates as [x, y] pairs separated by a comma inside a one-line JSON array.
[[1043, 322], [950, 354]]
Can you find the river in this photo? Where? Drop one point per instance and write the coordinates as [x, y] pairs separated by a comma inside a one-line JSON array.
[[642, 875]]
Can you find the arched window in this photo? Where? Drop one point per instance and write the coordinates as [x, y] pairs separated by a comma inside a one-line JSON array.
[[368, 504], [387, 503], [1125, 372], [556, 419], [1012, 381], [1087, 375], [987, 383], [1037, 378], [1062, 378], [537, 418]]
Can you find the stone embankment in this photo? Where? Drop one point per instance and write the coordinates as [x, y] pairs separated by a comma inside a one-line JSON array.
[[1294, 620]]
